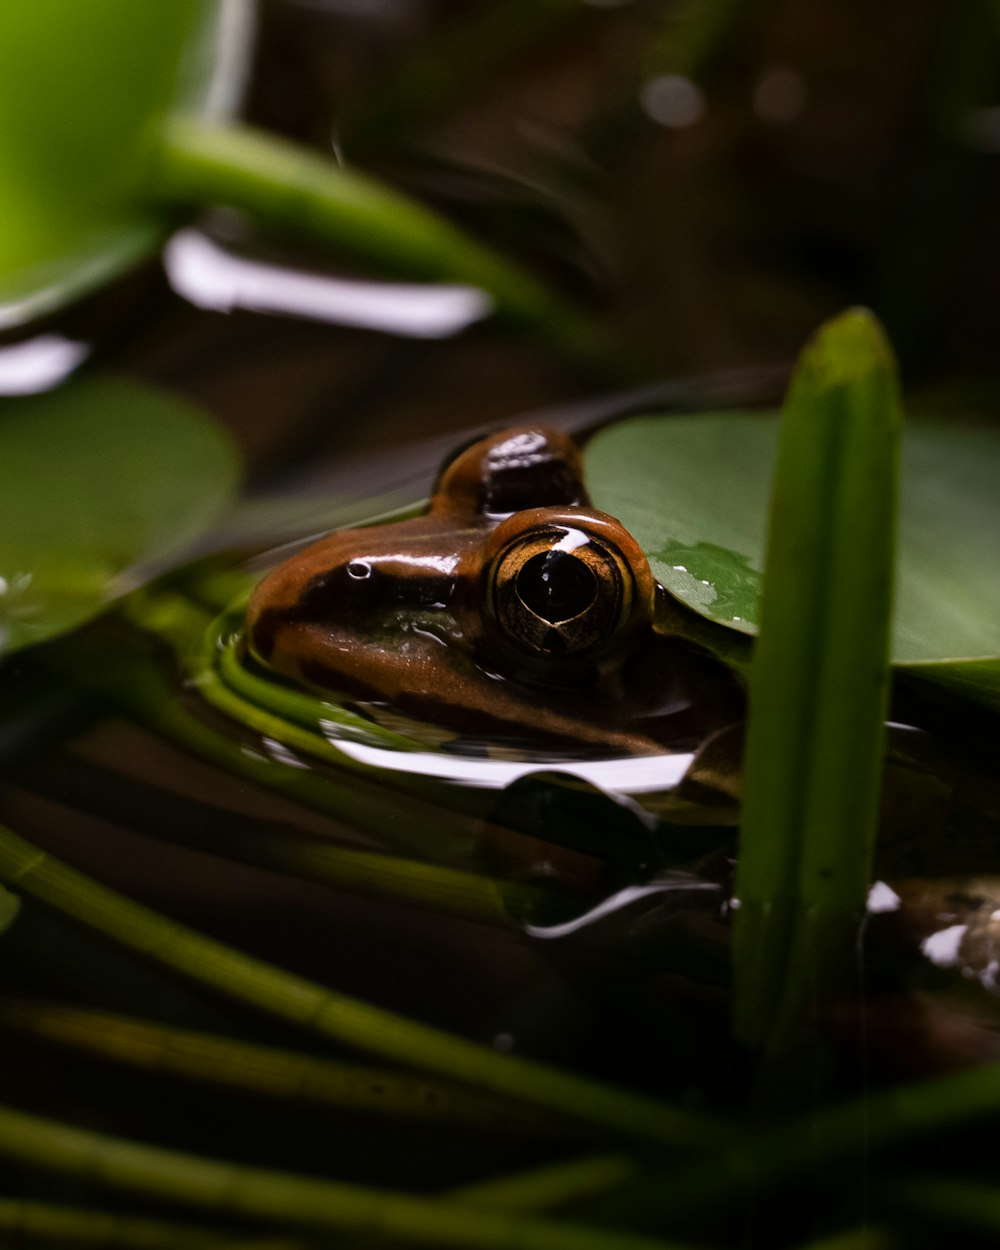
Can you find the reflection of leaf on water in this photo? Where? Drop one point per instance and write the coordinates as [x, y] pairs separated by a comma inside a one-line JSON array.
[[703, 574]]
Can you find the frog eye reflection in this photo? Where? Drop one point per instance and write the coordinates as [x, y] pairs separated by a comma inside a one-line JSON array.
[[566, 583]]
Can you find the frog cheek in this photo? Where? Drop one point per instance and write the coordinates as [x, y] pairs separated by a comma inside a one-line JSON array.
[[561, 591]]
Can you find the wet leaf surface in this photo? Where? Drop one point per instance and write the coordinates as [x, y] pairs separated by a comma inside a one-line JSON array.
[[694, 489]]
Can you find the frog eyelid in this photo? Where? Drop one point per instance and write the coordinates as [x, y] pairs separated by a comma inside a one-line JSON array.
[[512, 471]]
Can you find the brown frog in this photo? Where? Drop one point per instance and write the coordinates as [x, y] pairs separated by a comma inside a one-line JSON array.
[[512, 609]]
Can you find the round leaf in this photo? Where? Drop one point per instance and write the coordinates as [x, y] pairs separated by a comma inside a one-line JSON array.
[[94, 478], [694, 491]]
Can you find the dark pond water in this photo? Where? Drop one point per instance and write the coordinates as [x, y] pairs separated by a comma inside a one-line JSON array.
[[595, 935]]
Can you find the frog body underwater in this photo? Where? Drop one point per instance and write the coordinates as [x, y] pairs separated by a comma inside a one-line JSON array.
[[511, 610]]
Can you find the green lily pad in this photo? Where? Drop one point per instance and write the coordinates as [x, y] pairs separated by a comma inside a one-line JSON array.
[[97, 478], [694, 491]]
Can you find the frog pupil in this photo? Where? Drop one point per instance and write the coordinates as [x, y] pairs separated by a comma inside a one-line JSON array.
[[556, 586], [359, 570]]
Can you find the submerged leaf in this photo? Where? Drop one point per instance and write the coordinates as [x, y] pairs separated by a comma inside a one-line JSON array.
[[94, 478], [694, 490]]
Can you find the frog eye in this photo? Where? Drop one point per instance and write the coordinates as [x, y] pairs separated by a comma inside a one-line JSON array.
[[566, 584]]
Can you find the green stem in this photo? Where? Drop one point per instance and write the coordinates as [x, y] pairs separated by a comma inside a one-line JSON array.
[[72, 1226], [137, 685], [868, 1237], [818, 685], [900, 1116], [162, 813], [294, 1202], [340, 1017], [288, 187], [552, 1186], [954, 1202], [267, 1070]]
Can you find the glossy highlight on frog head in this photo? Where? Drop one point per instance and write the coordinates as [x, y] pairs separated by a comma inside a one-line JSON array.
[[510, 607]]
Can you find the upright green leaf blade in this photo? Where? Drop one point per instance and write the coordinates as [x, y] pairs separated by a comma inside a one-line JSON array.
[[819, 679]]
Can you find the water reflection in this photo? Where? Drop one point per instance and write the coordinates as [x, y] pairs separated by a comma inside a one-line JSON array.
[[641, 774], [39, 364], [944, 947], [882, 898], [208, 276], [618, 901]]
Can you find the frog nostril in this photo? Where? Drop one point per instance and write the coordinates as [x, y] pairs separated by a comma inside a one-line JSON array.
[[359, 570], [556, 586]]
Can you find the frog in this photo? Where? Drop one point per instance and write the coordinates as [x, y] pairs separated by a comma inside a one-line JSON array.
[[511, 609]]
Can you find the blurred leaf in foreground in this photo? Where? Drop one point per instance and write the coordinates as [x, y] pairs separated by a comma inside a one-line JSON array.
[[80, 88], [115, 118]]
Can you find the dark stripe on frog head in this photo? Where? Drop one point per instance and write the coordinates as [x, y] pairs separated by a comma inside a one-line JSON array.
[[361, 587], [344, 594], [512, 471]]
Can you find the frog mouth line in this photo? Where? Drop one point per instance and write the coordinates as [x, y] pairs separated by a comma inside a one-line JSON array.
[[461, 696]]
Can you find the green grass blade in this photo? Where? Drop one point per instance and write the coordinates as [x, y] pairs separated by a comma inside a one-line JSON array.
[[866, 1237], [958, 1205], [267, 1070], [552, 1186], [818, 683], [345, 1019], [900, 1116], [159, 812], [82, 1226], [137, 684], [10, 905], [293, 1202]]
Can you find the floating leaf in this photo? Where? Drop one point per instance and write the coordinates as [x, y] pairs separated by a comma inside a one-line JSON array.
[[694, 490], [94, 478]]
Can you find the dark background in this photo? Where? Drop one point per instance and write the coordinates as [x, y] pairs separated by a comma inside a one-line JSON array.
[[844, 153]]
